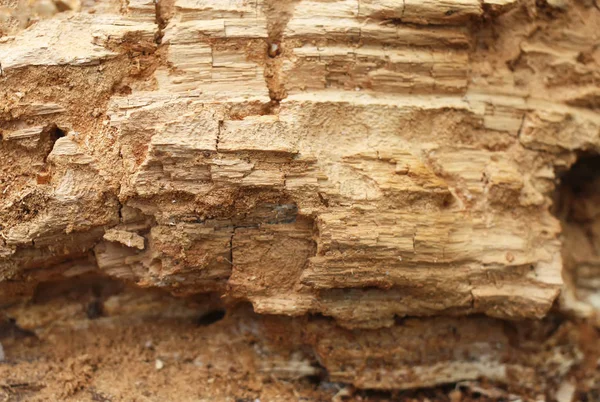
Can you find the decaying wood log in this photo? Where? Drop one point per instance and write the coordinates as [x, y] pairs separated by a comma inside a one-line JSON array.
[[360, 160]]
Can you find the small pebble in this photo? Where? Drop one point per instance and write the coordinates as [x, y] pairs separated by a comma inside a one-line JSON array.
[[561, 4], [159, 364], [274, 50], [455, 395]]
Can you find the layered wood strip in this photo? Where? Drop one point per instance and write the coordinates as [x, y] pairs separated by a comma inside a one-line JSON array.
[[450, 227], [215, 46], [425, 352], [377, 69], [359, 159], [79, 40]]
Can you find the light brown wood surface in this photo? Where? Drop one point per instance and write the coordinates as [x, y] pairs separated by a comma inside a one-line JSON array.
[[364, 160]]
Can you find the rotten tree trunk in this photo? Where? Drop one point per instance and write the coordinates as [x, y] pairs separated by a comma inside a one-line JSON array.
[[360, 160]]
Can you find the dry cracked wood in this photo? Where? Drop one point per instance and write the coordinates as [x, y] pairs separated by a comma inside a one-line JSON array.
[[361, 159]]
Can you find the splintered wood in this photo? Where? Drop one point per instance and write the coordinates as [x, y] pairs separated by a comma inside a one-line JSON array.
[[365, 160]]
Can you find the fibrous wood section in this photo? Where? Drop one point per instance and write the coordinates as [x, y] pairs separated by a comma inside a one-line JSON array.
[[254, 356], [361, 159]]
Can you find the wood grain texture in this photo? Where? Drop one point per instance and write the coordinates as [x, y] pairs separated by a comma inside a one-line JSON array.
[[365, 160]]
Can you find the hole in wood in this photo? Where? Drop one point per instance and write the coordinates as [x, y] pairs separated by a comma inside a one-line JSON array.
[[577, 205], [210, 318]]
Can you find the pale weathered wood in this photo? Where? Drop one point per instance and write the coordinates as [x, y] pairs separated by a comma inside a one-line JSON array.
[[366, 160]]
